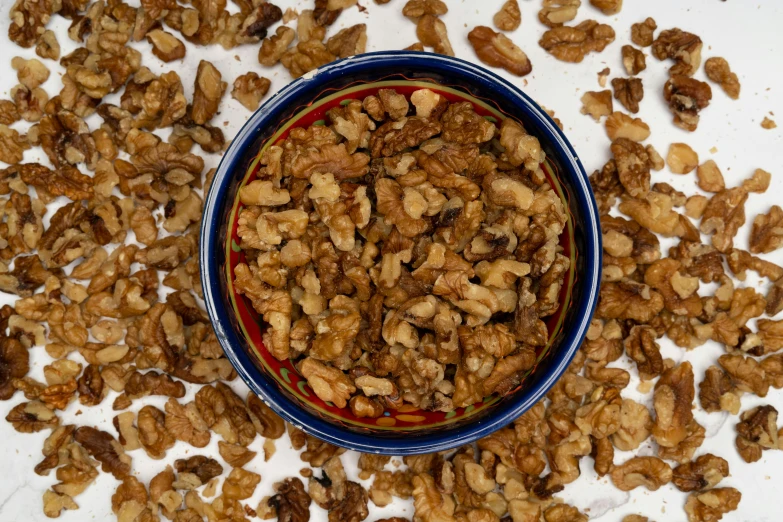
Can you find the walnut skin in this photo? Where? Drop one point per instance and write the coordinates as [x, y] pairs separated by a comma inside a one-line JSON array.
[[497, 50], [572, 44]]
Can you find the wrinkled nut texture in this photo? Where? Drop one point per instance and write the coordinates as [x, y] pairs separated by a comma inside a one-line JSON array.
[[718, 70], [572, 44], [509, 17], [497, 50]]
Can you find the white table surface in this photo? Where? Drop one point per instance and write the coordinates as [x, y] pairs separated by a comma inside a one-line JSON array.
[[747, 33]]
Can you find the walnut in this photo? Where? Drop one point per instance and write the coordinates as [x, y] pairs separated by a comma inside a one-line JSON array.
[[509, 17], [393, 137], [249, 89], [429, 503], [48, 46], [642, 32], [352, 507], [703, 473], [682, 159], [186, 424], [153, 435], [633, 60], [650, 472], [629, 91], [686, 97], [328, 383], [273, 47], [418, 8], [711, 505], [240, 484], [208, 90], [12, 145], [572, 44], [709, 177], [14, 364], [718, 71], [767, 233], [608, 7], [673, 399], [521, 147], [756, 432], [597, 104], [267, 422], [165, 45], [432, 32], [31, 73], [554, 13], [682, 47], [104, 448], [291, 501], [717, 392], [496, 50], [54, 503], [635, 425], [621, 126], [633, 166], [306, 56], [348, 42], [723, 216]]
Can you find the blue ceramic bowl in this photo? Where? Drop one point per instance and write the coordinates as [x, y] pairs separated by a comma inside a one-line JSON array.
[[238, 327]]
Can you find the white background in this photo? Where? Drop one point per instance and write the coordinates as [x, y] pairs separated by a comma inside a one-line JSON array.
[[747, 33]]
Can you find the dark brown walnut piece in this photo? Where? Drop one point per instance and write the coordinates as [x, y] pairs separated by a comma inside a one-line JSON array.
[[767, 233], [608, 7], [634, 60], [757, 431], [497, 50], [673, 400], [633, 166], [105, 449], [291, 501], [352, 507], [306, 56], [267, 422], [204, 468], [682, 47], [572, 44], [629, 92], [14, 364], [642, 33], [431, 32], [686, 97], [705, 472], [418, 8], [718, 71], [348, 42]]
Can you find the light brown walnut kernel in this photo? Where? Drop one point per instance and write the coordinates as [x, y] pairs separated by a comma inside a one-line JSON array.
[[572, 44], [165, 45], [432, 32], [249, 89], [621, 126], [682, 47], [348, 42], [634, 60], [597, 104], [418, 8], [717, 70], [650, 472], [31, 73], [554, 13], [709, 177], [509, 17], [273, 47], [711, 505], [208, 91], [608, 7], [497, 50], [240, 484], [673, 400], [682, 159]]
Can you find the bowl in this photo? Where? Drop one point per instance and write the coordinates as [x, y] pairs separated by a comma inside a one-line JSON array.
[[239, 328]]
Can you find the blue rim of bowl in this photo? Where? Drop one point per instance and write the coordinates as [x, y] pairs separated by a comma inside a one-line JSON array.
[[407, 443]]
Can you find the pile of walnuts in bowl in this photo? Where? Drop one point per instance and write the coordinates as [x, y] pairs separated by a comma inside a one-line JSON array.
[[109, 293], [408, 252]]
